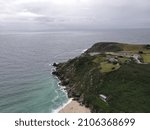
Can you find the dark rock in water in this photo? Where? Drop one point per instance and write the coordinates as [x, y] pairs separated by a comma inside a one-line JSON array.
[[55, 64], [55, 73]]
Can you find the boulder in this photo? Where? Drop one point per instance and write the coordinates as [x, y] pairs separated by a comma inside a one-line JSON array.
[[55, 64]]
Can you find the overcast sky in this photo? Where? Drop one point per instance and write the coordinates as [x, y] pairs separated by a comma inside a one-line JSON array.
[[70, 14]]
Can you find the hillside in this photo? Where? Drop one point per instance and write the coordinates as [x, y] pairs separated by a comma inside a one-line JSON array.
[[109, 77], [115, 47]]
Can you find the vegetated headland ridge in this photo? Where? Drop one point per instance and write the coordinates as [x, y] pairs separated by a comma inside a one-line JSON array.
[[109, 77]]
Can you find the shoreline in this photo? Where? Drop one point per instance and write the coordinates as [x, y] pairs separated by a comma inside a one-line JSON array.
[[71, 106], [62, 107]]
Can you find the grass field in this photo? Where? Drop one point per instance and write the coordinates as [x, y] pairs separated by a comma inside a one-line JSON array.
[[99, 59], [146, 58], [106, 67], [129, 47], [147, 51]]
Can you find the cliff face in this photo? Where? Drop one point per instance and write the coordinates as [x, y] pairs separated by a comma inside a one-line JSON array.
[[109, 81]]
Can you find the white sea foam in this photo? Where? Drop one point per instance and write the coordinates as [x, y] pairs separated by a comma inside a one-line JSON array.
[[61, 107], [84, 50], [62, 88]]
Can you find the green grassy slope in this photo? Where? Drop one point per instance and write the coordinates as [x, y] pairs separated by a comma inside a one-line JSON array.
[[128, 88]]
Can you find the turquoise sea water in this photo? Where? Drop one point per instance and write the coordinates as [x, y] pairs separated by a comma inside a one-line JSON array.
[[26, 83]]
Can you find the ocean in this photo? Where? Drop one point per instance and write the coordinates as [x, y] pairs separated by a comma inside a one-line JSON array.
[[26, 58]]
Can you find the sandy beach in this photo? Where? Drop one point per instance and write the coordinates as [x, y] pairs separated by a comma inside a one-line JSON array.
[[74, 107]]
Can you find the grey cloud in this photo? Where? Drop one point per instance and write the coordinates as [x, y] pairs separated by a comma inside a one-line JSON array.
[[79, 13]]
